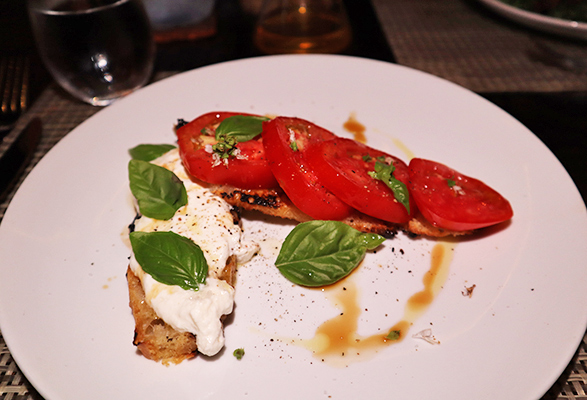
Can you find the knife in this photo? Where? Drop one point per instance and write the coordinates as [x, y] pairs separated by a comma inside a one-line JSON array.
[[16, 158]]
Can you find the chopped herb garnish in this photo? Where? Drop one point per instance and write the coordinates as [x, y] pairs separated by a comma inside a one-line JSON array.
[[294, 146], [239, 353], [393, 335], [451, 182], [225, 147], [367, 158], [234, 130]]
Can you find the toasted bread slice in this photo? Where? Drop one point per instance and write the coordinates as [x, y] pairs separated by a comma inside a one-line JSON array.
[[154, 338], [275, 202]]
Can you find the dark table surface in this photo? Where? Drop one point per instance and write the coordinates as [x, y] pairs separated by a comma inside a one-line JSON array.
[[559, 119]]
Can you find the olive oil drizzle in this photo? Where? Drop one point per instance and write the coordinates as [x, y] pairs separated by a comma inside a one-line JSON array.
[[352, 125], [337, 337], [401, 145]]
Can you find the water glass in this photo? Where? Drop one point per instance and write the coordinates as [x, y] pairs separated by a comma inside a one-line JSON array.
[[97, 50]]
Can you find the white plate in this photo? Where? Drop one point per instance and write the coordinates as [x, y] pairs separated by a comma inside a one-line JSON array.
[[63, 298], [558, 26]]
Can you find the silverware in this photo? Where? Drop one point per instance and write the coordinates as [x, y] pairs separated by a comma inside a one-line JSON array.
[[14, 89], [14, 161]]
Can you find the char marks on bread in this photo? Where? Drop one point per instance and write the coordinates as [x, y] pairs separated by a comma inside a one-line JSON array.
[[274, 202]]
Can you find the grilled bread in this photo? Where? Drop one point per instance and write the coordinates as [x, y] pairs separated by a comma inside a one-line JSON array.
[[156, 339], [173, 322], [275, 202]]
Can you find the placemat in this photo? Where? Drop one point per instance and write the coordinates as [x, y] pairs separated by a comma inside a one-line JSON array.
[[462, 41], [60, 114]]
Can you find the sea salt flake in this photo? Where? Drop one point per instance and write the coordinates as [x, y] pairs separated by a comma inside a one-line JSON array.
[[292, 135], [427, 336], [238, 154], [217, 160], [459, 190]]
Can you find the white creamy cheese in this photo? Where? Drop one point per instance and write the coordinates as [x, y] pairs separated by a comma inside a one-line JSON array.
[[206, 219]]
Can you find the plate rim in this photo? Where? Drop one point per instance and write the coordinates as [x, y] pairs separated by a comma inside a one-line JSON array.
[[394, 65]]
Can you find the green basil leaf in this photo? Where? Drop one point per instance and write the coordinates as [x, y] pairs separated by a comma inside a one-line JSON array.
[[240, 127], [170, 258], [451, 182], [159, 192], [384, 173], [149, 152], [371, 240], [319, 253]]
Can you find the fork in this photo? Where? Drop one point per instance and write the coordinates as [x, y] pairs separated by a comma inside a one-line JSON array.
[[14, 89]]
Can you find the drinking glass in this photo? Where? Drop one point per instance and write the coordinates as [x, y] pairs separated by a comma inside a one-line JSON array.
[[302, 26], [97, 50]]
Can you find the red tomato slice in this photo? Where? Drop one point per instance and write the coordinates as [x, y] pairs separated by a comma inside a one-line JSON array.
[[248, 171], [451, 200], [286, 140], [343, 166]]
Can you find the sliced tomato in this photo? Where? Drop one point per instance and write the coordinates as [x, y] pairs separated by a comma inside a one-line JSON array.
[[286, 140], [250, 170], [343, 166], [451, 200]]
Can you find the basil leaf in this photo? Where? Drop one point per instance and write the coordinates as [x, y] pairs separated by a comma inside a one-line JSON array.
[[159, 192], [371, 240], [170, 258], [384, 173], [318, 253], [240, 127], [149, 152]]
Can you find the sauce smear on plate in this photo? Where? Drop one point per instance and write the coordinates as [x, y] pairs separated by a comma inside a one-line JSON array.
[[336, 340]]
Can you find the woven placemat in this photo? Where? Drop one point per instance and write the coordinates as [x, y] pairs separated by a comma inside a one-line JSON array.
[[463, 42], [60, 114]]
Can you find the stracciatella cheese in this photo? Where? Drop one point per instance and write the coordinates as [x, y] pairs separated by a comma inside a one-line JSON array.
[[207, 220]]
